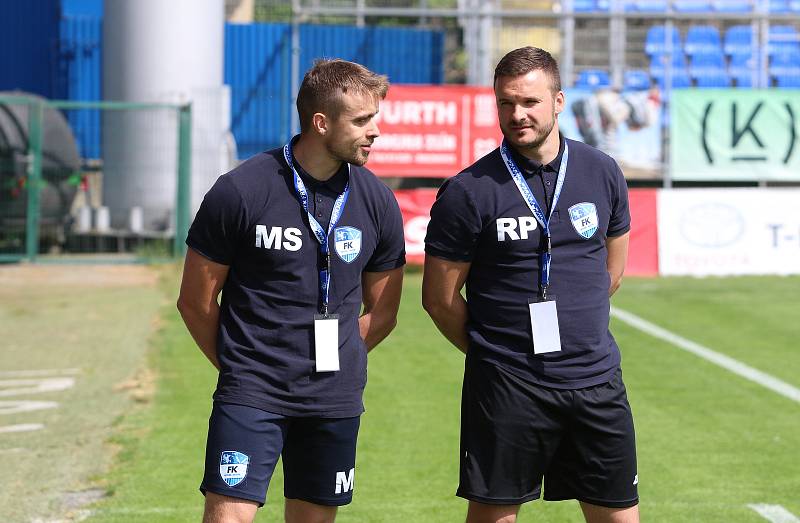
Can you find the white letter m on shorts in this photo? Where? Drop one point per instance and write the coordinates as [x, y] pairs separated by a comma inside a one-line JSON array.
[[344, 482]]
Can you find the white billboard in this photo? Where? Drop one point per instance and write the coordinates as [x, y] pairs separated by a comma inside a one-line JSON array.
[[729, 231]]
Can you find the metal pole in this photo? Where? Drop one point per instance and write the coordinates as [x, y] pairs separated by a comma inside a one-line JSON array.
[[295, 72], [34, 180], [184, 185]]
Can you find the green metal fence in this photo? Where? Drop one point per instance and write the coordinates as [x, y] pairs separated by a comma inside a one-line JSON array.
[[98, 181]]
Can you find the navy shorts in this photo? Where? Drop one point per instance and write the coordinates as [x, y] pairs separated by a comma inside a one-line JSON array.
[[514, 433], [244, 443]]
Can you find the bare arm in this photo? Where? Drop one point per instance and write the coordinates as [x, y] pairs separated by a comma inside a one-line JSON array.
[[381, 295], [200, 287], [617, 247], [441, 297]]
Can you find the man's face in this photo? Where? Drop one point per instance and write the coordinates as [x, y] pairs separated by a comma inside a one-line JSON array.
[[527, 108], [350, 136]]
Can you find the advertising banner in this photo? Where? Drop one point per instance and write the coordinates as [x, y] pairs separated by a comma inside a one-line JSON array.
[[728, 231], [625, 125], [643, 246], [415, 205], [433, 131], [436, 131], [735, 134]]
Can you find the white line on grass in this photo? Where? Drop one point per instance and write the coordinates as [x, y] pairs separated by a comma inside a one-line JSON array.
[[726, 362], [24, 427], [774, 513], [35, 373]]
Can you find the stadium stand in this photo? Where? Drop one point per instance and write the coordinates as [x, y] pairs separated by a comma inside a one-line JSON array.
[[702, 39], [742, 68], [593, 79], [656, 40], [739, 40], [636, 79]]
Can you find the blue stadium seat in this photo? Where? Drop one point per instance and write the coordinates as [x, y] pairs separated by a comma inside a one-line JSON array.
[[708, 70], [636, 79], [739, 40], [603, 5], [659, 62], [584, 6], [734, 6], [691, 6], [783, 39], [656, 40], [646, 6], [680, 78], [779, 6], [713, 79], [787, 81], [702, 39], [742, 68], [794, 6], [785, 64], [592, 79]]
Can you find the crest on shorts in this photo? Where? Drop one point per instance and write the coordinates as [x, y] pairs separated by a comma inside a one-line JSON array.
[[233, 467], [348, 243], [584, 218]]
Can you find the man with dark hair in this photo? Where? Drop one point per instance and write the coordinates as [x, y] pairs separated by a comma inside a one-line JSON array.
[[538, 231], [296, 239]]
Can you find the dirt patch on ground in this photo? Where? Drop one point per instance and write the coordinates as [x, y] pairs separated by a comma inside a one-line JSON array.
[[78, 275]]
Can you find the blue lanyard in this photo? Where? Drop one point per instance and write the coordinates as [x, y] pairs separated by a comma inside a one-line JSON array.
[[533, 205], [319, 232]]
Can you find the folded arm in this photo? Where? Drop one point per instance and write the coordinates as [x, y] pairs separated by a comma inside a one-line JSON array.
[[381, 296], [441, 297], [200, 287]]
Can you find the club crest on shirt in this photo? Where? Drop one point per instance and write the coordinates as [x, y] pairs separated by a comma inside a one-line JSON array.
[[584, 218], [347, 241], [233, 467]]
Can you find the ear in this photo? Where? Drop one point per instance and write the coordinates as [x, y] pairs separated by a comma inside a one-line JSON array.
[[319, 122], [558, 102]]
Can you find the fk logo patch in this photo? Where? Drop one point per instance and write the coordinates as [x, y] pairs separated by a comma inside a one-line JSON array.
[[584, 219], [233, 467], [347, 243], [344, 482]]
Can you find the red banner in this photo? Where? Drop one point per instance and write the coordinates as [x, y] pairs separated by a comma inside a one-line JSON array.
[[415, 205], [433, 131]]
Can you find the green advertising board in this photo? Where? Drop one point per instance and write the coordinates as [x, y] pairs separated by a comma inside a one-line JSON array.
[[735, 134]]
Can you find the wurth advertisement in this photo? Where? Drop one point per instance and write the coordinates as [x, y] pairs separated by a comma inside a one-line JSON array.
[[434, 132]]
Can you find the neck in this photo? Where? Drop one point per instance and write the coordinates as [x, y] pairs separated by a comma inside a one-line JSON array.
[[314, 158], [547, 151]]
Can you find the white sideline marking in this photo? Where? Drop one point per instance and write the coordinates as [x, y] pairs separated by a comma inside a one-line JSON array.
[[726, 362], [34, 386], [25, 427], [774, 513], [34, 373], [15, 406]]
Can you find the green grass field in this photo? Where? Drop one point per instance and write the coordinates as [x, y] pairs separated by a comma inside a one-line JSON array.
[[710, 442]]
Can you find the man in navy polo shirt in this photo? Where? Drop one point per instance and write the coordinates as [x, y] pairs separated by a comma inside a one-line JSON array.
[[538, 232], [296, 239]]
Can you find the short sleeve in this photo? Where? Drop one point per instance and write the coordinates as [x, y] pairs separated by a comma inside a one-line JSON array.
[[620, 221], [390, 252], [455, 224], [219, 223]]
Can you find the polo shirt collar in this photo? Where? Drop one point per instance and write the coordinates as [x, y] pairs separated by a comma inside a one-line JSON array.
[[334, 184], [529, 166]]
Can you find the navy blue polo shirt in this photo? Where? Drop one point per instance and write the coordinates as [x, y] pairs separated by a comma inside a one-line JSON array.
[[480, 217], [252, 221]]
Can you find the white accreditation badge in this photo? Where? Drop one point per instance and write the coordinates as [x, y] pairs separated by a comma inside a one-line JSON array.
[[326, 342], [544, 325]]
